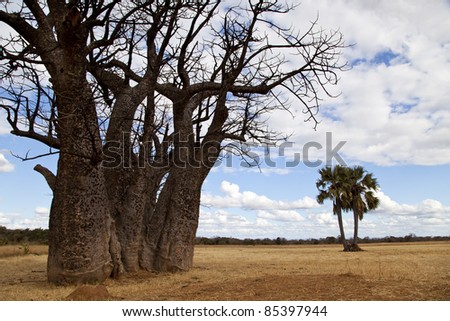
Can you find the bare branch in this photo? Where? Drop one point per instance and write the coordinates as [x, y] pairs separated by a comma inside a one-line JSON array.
[[48, 175], [39, 14], [20, 25], [211, 70]]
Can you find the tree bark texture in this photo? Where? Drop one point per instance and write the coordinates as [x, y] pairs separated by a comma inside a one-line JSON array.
[[171, 230], [79, 225]]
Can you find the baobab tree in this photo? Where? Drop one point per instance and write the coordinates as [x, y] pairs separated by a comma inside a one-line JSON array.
[[138, 99]]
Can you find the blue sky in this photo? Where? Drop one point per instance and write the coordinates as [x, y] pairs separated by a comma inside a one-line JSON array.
[[393, 115]]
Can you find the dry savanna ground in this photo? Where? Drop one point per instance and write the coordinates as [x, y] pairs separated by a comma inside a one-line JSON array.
[[403, 271]]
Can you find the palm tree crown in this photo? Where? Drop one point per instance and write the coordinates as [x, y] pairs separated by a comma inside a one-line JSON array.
[[333, 185], [363, 186]]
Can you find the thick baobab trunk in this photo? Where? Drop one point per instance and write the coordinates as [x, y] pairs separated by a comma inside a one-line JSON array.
[[127, 199], [80, 221], [126, 186], [79, 225], [131, 182], [172, 224], [171, 230], [129, 225]]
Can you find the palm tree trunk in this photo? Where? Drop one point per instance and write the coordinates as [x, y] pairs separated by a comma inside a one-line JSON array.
[[355, 232], [355, 247], [341, 227]]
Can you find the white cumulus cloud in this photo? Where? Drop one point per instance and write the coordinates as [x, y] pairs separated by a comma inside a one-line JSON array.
[[5, 165], [19, 221], [235, 198], [428, 217], [223, 223], [394, 102], [4, 126], [281, 215]]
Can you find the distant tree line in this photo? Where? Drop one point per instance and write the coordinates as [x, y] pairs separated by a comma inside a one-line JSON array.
[[326, 240], [20, 236], [40, 236]]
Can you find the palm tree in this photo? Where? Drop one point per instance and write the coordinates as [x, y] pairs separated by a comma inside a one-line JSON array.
[[333, 184], [362, 187]]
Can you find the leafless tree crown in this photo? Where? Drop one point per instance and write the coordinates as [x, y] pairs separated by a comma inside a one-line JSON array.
[[152, 65]]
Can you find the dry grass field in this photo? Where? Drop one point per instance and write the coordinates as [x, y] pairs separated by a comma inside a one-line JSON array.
[[402, 271]]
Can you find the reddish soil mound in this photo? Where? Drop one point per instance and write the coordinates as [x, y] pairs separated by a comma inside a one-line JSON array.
[[90, 293]]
